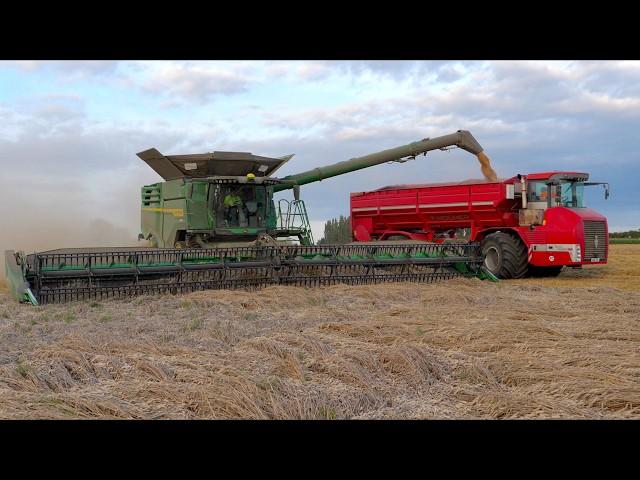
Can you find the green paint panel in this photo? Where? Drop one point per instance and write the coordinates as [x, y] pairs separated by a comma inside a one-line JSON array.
[[197, 217], [173, 189]]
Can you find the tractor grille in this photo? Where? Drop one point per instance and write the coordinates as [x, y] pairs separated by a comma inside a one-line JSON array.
[[595, 240]]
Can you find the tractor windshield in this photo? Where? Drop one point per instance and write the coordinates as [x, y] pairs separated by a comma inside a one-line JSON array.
[[567, 194]]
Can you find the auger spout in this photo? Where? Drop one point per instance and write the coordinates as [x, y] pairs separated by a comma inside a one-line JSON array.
[[462, 139]]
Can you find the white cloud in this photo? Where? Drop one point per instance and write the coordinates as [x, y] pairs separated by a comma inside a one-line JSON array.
[[196, 82], [67, 70]]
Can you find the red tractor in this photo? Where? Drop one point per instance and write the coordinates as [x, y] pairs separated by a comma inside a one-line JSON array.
[[528, 225]]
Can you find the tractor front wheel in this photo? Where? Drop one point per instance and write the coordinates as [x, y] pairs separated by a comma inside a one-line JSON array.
[[505, 255]]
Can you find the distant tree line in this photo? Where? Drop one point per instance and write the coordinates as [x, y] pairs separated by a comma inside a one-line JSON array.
[[629, 234], [336, 231]]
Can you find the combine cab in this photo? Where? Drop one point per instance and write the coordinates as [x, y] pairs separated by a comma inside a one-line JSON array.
[[218, 199], [212, 224]]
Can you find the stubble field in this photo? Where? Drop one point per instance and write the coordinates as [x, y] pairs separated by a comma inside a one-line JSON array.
[[567, 347]]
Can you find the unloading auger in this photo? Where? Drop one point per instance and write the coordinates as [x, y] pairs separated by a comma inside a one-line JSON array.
[[213, 224]]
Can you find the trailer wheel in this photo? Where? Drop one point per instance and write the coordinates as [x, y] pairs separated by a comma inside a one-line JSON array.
[[544, 271], [505, 255]]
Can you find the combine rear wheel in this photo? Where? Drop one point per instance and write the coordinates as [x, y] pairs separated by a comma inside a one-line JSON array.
[[505, 255]]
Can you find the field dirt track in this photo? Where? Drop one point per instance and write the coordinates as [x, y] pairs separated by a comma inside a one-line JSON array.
[[567, 347]]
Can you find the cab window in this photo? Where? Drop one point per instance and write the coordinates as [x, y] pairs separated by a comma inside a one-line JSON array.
[[564, 194], [569, 194], [240, 205], [537, 192]]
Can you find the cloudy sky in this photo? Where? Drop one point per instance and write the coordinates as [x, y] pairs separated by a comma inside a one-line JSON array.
[[69, 131]]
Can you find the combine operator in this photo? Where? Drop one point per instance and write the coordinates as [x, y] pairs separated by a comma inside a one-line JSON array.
[[234, 209]]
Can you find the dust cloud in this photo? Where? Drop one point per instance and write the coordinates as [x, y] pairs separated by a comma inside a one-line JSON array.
[[485, 166], [98, 209], [47, 233]]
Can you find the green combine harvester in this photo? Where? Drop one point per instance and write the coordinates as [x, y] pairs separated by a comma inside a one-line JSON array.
[[213, 224]]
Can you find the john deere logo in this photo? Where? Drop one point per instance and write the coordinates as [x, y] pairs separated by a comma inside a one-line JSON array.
[[595, 241]]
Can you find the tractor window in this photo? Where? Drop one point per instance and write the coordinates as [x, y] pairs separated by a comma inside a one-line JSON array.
[[564, 194], [536, 192], [241, 206], [571, 194]]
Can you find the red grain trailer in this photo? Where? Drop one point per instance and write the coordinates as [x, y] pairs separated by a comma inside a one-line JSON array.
[[536, 232]]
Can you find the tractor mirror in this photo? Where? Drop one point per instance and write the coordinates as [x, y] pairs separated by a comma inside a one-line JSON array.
[[604, 185]]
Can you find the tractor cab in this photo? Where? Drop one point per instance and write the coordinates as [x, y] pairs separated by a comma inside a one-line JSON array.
[[541, 191], [557, 189]]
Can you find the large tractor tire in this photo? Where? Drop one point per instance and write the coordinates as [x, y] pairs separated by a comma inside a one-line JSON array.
[[544, 271], [505, 255]]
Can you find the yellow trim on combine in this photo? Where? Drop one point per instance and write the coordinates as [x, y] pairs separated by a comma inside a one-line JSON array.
[[176, 212]]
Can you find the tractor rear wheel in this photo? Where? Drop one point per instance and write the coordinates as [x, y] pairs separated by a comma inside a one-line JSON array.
[[505, 255], [545, 271]]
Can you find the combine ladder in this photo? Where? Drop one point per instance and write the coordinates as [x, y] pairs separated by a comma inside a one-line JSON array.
[[293, 217]]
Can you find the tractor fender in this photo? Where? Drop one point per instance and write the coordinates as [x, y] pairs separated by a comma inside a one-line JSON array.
[[482, 234]]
